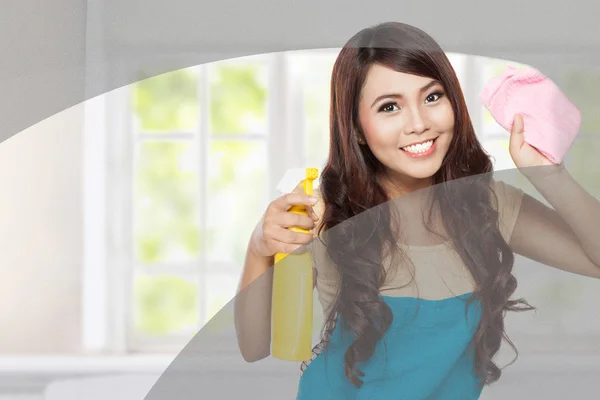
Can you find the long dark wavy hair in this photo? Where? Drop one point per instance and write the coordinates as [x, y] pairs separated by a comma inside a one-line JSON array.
[[351, 185]]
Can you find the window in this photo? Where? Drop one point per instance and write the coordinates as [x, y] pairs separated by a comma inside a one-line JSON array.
[[193, 159], [196, 154], [201, 139]]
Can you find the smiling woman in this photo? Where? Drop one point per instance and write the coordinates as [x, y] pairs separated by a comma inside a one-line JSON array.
[[400, 129], [394, 89]]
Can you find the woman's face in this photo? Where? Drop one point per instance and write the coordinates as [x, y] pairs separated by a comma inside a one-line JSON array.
[[408, 122]]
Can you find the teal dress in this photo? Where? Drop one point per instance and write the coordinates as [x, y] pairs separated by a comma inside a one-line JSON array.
[[425, 354]]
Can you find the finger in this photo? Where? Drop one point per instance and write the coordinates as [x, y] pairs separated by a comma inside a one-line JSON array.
[[288, 248], [286, 220], [516, 134], [517, 124], [289, 220], [287, 236], [312, 214], [293, 237], [292, 199]]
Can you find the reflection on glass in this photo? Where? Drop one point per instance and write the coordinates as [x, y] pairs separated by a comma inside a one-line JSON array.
[[165, 304], [168, 102], [166, 202]]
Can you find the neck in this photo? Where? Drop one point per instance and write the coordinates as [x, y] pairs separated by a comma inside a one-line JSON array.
[[414, 192], [397, 186]]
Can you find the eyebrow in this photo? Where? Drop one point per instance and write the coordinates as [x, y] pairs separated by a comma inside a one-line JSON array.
[[398, 95]]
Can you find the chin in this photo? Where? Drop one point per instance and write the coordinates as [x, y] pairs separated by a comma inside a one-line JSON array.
[[423, 175], [422, 171]]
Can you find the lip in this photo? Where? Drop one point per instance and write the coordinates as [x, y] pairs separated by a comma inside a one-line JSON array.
[[422, 155], [423, 141]]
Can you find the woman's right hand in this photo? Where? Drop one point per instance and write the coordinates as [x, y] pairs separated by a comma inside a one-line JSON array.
[[272, 234]]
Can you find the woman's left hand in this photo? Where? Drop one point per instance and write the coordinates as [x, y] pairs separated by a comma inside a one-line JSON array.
[[523, 154]]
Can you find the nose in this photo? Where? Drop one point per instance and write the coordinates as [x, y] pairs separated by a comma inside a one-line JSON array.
[[415, 123]]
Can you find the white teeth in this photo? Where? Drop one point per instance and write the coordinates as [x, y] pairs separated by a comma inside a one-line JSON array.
[[419, 148]]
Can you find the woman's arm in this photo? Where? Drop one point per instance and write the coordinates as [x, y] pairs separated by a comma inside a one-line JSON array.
[[252, 304], [566, 237]]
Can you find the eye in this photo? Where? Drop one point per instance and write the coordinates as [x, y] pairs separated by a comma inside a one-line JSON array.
[[433, 95], [387, 107]]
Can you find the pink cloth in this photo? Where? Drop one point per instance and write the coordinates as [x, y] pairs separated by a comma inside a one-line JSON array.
[[551, 121]]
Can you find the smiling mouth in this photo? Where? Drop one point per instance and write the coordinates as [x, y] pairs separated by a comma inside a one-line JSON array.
[[419, 148]]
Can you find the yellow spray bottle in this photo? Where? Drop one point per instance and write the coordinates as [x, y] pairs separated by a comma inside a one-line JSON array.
[[292, 301]]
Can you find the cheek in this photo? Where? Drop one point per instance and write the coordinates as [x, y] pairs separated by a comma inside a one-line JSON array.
[[381, 132], [444, 117]]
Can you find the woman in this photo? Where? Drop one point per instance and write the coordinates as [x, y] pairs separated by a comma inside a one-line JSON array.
[[414, 309]]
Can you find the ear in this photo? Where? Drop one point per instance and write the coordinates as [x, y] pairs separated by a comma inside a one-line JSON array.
[[359, 135]]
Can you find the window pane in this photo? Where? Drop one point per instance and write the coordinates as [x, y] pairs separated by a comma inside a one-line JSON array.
[[166, 202], [238, 97], [168, 102], [237, 197], [165, 304]]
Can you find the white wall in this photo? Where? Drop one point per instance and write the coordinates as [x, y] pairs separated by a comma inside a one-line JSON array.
[[41, 237]]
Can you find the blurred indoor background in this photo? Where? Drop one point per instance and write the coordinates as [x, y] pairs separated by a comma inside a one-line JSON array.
[[127, 217]]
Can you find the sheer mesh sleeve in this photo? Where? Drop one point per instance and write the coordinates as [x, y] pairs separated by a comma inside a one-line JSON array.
[[508, 206]]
